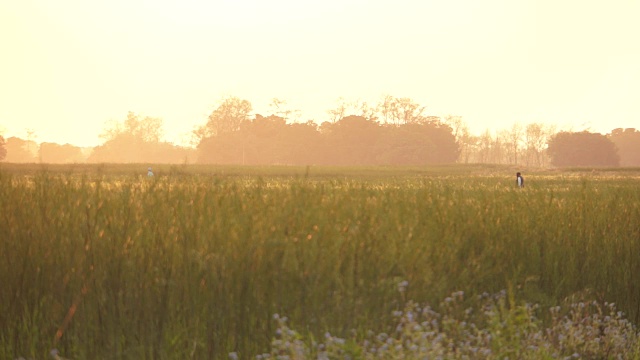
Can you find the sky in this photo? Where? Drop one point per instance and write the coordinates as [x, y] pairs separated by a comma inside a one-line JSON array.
[[68, 67]]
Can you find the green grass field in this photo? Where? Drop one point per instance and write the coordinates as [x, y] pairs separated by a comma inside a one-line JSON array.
[[102, 263]]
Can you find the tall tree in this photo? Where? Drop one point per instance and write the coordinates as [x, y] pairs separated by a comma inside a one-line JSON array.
[[420, 144], [280, 108], [20, 151], [456, 124], [364, 109], [386, 109], [3, 150], [536, 136], [499, 151], [339, 112], [353, 140], [145, 129], [304, 143], [468, 145], [137, 139], [263, 140], [582, 149], [512, 139], [409, 112], [346, 108], [227, 117], [460, 132], [123, 148], [628, 143], [485, 142]]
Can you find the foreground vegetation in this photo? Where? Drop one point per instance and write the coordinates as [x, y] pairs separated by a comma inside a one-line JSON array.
[[102, 262], [496, 328]]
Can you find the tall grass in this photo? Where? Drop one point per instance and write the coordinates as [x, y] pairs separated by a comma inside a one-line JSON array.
[[188, 265]]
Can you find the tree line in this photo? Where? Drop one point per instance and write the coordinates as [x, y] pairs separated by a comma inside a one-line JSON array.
[[351, 137], [395, 131]]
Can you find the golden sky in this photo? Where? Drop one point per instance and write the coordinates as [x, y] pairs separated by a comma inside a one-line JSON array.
[[68, 66]]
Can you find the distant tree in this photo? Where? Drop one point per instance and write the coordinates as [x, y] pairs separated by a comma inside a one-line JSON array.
[[251, 143], [386, 109], [339, 112], [512, 139], [352, 135], [536, 136], [279, 108], [364, 109], [145, 129], [628, 143], [466, 144], [126, 148], [305, 144], [389, 111], [20, 151], [460, 131], [353, 140], [263, 140], [456, 124], [167, 153], [421, 144], [346, 108], [446, 149], [400, 111], [499, 148], [490, 149], [227, 117], [484, 143], [137, 139], [123, 148], [409, 112], [59, 154], [499, 151], [582, 149], [3, 150], [226, 148]]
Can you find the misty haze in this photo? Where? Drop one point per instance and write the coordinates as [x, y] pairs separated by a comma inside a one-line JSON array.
[[245, 179]]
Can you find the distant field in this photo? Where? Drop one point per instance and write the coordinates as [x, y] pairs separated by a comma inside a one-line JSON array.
[[102, 262]]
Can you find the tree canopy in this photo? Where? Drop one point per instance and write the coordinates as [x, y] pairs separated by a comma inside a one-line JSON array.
[[628, 143], [226, 118], [395, 130], [20, 151], [353, 140], [137, 140], [582, 149], [59, 154], [145, 129], [3, 150]]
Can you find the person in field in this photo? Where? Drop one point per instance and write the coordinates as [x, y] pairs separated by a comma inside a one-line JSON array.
[[149, 172], [519, 180]]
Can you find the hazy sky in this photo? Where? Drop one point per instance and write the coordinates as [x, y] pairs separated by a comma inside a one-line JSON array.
[[68, 66]]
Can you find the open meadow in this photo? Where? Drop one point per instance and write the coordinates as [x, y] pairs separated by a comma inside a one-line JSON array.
[[204, 262]]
